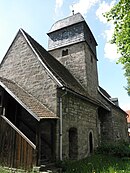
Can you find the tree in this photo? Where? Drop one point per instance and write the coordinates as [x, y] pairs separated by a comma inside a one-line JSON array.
[[120, 15]]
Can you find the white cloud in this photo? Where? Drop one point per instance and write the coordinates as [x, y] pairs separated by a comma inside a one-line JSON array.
[[58, 5], [103, 8], [83, 6], [110, 50]]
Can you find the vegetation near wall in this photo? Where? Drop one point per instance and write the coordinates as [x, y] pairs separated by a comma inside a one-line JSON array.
[[108, 159]]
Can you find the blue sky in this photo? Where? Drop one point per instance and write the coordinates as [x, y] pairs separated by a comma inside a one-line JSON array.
[[36, 18]]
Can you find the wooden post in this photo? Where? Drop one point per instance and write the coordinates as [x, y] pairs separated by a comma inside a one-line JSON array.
[[38, 144]]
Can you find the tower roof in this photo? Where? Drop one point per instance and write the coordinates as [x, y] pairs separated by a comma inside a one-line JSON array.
[[71, 20]]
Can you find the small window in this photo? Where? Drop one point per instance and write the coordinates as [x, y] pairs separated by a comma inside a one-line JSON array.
[[90, 40], [0, 98], [73, 143], [64, 52], [91, 59], [0, 104], [90, 142]]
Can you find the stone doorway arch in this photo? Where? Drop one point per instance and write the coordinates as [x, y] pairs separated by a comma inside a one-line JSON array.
[[90, 142], [73, 143]]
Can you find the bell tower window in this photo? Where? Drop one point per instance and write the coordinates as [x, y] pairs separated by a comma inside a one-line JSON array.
[[65, 52], [91, 59], [0, 100]]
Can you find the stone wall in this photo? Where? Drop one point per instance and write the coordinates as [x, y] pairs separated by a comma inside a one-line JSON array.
[[82, 115], [117, 124], [22, 66], [81, 62]]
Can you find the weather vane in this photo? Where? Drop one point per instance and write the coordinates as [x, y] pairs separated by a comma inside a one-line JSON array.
[[72, 9]]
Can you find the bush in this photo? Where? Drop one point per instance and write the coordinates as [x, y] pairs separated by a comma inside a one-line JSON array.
[[120, 149]]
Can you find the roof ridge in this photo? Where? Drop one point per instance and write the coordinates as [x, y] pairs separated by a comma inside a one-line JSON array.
[[34, 50], [44, 59]]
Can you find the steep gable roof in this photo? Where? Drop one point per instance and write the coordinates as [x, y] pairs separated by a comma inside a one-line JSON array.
[[108, 98], [33, 106], [57, 70]]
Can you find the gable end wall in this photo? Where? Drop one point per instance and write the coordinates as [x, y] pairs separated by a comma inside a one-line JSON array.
[[22, 66]]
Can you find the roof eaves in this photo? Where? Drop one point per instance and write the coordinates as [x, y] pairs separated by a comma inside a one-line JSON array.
[[105, 97], [48, 70], [20, 102], [110, 101], [95, 102]]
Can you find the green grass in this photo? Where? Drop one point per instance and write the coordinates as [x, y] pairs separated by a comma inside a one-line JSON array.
[[2, 170], [98, 164]]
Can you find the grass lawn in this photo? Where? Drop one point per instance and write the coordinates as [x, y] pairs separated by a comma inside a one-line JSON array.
[[98, 164]]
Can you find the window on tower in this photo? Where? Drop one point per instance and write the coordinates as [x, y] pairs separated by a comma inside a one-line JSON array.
[[65, 52], [91, 59], [0, 100]]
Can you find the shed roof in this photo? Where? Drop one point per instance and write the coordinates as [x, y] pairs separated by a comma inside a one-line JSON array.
[[32, 105]]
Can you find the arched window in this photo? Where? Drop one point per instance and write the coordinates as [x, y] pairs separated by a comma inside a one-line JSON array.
[[90, 143], [73, 143]]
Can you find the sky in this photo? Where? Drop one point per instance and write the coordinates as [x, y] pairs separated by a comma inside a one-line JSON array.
[[37, 16]]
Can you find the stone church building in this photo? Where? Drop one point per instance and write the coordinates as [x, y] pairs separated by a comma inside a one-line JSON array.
[[51, 105]]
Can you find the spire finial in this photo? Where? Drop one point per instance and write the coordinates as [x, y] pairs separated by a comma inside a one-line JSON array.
[[73, 11]]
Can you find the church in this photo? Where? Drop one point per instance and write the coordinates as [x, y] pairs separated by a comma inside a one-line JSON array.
[[51, 105]]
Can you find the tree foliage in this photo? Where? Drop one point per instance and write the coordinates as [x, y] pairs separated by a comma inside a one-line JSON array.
[[120, 15]]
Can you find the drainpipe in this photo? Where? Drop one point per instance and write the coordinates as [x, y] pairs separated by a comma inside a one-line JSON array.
[[61, 122], [61, 129]]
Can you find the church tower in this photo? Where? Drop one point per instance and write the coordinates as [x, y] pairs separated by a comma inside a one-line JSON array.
[[73, 44]]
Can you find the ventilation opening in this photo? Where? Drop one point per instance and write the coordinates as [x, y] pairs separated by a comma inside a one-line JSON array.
[[0, 100], [0, 105], [73, 143], [90, 142], [91, 59], [64, 52]]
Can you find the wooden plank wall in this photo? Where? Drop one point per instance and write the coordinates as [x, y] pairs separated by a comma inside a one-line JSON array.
[[15, 150]]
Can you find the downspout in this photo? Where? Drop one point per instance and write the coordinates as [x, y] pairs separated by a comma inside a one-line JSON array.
[[61, 124], [61, 129]]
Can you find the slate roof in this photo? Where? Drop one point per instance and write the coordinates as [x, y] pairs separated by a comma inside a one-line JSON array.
[[32, 105], [71, 20], [104, 92]]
